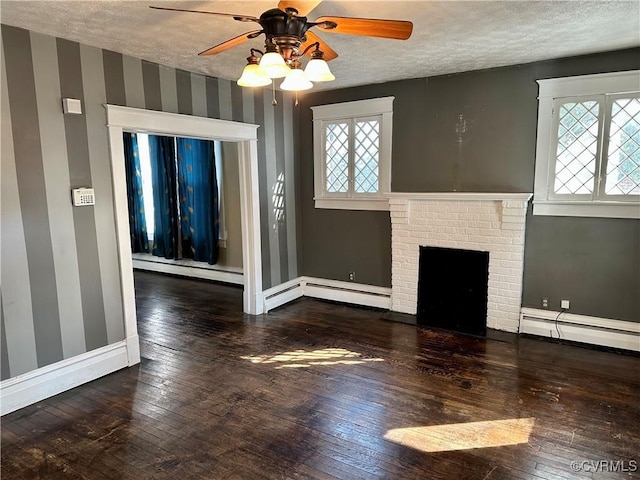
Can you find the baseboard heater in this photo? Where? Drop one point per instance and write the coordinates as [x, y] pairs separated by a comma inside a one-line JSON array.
[[605, 332], [345, 292]]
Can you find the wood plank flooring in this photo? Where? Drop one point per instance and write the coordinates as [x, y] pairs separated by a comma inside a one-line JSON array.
[[322, 391]]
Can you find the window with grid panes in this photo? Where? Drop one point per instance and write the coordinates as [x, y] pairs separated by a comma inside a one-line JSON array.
[[352, 154], [588, 152]]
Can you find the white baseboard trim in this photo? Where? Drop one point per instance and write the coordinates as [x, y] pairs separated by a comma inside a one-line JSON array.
[[335, 290], [581, 328], [227, 276], [45, 382]]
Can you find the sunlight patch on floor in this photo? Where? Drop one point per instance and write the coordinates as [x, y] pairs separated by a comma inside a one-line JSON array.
[[463, 436], [306, 359]]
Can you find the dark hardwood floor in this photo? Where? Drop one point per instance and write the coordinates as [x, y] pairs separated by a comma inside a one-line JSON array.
[[319, 390]]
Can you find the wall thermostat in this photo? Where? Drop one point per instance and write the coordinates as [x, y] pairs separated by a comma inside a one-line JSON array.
[[83, 197]]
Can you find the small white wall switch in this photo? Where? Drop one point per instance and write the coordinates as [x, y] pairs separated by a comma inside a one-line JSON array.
[[72, 105], [564, 304], [83, 197]]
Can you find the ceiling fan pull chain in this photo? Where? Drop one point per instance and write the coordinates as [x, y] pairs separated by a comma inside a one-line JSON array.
[[274, 102]]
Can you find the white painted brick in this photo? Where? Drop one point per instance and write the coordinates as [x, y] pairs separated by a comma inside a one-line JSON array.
[[398, 214], [511, 264], [400, 296], [508, 278], [500, 285], [496, 271], [513, 217], [412, 279], [403, 293], [394, 207], [482, 224], [517, 289], [497, 227], [432, 208], [519, 227], [399, 221], [458, 208], [514, 204]]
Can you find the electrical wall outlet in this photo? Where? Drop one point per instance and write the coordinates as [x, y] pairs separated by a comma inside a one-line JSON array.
[[564, 304], [545, 302], [352, 276]]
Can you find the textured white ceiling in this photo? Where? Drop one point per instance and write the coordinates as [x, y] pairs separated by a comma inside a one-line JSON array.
[[448, 36]]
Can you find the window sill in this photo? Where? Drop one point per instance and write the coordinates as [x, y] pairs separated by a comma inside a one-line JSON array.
[[380, 204], [587, 209]]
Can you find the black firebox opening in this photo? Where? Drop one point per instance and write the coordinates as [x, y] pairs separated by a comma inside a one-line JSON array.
[[452, 289]]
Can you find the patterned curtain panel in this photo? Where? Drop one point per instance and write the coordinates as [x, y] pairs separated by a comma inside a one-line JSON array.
[[198, 190], [137, 222], [163, 173]]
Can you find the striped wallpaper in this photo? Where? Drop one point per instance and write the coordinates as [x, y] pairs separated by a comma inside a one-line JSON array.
[[60, 279]]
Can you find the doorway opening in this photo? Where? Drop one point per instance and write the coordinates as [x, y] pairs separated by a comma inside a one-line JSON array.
[[192, 175], [244, 136]]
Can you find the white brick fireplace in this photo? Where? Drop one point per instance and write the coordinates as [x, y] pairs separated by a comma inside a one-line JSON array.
[[490, 222]]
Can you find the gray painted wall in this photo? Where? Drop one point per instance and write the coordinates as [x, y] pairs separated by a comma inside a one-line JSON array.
[[231, 255], [60, 278], [592, 262]]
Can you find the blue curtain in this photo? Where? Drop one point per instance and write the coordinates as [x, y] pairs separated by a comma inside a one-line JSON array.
[[163, 172], [137, 221], [198, 190]]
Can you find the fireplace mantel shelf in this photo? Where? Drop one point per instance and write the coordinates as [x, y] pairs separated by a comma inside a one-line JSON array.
[[461, 196]]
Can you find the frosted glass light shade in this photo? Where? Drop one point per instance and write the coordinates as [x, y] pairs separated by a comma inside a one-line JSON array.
[[274, 65], [296, 80], [253, 76], [318, 71]]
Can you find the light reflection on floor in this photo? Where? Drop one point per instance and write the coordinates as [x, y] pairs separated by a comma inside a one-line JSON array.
[[463, 436], [305, 359]]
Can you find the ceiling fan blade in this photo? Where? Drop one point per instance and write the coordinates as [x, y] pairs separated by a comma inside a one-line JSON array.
[[329, 53], [240, 18], [370, 27], [302, 6], [231, 43]]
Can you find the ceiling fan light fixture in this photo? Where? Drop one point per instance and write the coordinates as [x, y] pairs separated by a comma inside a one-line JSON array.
[[317, 70], [274, 65], [296, 80], [253, 76], [288, 38]]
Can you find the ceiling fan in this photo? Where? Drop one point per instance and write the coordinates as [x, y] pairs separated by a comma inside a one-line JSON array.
[[288, 38]]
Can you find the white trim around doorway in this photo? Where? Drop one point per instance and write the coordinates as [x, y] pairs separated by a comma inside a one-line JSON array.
[[120, 119]]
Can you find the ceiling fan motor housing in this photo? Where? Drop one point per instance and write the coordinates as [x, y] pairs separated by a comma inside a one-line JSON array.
[[285, 29]]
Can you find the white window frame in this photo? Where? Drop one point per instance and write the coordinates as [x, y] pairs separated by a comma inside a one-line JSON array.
[[380, 108], [545, 202]]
